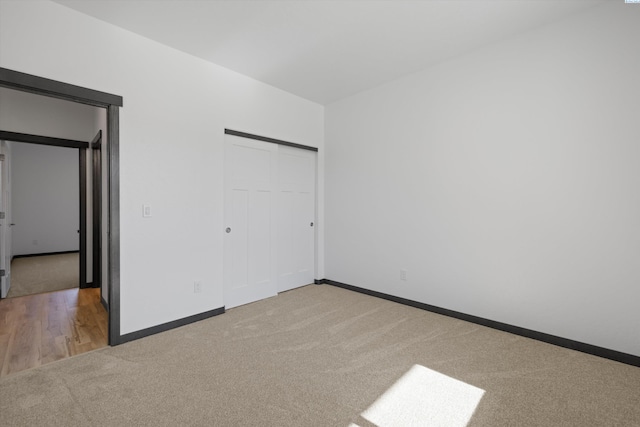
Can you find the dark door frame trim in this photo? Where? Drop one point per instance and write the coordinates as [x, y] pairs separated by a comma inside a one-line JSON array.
[[42, 86], [42, 140], [96, 209], [81, 146], [113, 222], [47, 87], [83, 216]]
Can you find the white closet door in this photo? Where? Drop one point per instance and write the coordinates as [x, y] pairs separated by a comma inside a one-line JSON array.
[[296, 217], [250, 263]]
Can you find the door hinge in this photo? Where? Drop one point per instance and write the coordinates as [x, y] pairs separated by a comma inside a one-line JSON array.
[[1, 157], [2, 273], [1, 215]]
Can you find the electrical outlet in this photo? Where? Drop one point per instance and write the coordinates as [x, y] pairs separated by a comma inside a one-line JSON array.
[[146, 211], [197, 287], [403, 275]]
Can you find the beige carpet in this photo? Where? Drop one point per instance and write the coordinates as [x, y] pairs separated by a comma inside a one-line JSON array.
[[47, 273], [324, 356]]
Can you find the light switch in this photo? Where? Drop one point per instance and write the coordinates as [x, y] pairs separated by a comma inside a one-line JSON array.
[[146, 211]]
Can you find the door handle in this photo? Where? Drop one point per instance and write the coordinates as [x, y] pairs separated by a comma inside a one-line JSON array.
[[228, 230]]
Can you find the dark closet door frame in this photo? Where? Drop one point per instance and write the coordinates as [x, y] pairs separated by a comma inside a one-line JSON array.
[[42, 86]]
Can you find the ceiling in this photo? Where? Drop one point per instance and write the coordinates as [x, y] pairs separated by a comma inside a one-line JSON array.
[[325, 50]]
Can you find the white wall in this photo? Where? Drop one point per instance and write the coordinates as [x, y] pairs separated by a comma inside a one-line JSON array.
[[171, 133], [45, 199], [40, 115], [505, 182]]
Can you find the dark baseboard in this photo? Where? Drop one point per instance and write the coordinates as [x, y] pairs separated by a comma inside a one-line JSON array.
[[90, 285], [168, 326], [104, 303], [618, 356], [44, 254], [319, 281]]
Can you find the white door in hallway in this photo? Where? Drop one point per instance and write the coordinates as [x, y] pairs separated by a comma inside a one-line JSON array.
[[250, 220], [296, 217]]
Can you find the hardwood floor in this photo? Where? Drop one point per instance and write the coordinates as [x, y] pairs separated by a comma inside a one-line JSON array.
[[43, 328]]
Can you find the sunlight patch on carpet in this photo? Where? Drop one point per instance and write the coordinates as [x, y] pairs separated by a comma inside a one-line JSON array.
[[423, 397]]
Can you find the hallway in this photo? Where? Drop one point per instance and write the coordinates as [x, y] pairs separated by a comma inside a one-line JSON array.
[[45, 273], [39, 329]]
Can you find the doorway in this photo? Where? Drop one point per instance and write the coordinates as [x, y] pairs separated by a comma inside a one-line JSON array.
[[46, 207], [111, 226], [50, 313]]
